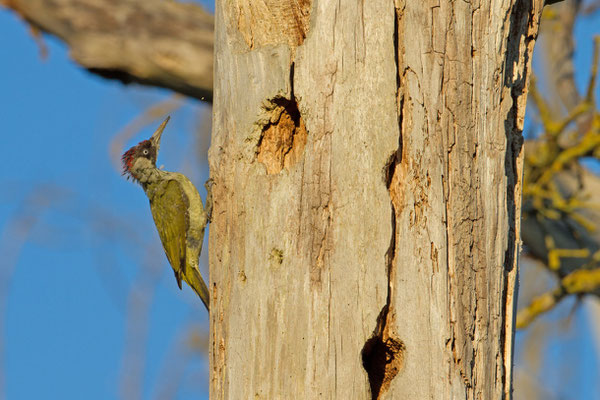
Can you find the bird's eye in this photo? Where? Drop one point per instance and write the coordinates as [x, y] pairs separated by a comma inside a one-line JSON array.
[[145, 152]]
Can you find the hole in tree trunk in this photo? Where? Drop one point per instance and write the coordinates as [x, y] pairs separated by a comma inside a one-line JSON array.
[[382, 358], [283, 136]]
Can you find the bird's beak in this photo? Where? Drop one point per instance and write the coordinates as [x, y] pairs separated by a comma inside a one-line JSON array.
[[155, 139]]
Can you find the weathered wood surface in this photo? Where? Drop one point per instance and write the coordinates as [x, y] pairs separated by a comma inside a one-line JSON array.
[[376, 225]]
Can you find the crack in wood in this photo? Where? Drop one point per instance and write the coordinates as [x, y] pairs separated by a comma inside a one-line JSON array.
[[383, 354]]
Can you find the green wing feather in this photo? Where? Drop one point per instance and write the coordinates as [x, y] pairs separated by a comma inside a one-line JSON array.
[[169, 207]]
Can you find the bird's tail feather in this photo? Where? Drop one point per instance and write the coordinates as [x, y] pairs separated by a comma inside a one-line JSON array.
[[194, 279]]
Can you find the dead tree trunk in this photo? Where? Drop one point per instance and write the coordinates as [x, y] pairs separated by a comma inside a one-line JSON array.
[[367, 166]]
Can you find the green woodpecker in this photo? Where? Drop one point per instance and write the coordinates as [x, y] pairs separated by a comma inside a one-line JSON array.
[[177, 209]]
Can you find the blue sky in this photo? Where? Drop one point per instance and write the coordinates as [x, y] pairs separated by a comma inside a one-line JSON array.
[[91, 238], [88, 241]]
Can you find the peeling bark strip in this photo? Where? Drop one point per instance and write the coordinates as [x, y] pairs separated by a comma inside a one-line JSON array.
[[283, 137], [401, 212], [272, 21], [524, 26]]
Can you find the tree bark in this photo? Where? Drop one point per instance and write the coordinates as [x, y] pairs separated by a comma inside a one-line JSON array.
[[367, 163]]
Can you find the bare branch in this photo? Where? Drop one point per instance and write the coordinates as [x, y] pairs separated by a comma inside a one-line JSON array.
[[151, 42]]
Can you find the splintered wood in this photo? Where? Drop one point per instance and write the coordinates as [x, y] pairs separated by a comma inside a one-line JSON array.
[[283, 137]]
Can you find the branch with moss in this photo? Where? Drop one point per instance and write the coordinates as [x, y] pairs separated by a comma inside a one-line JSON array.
[[580, 282], [551, 157], [561, 215]]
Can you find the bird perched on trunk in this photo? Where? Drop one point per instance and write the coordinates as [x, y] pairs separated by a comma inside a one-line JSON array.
[[179, 215]]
